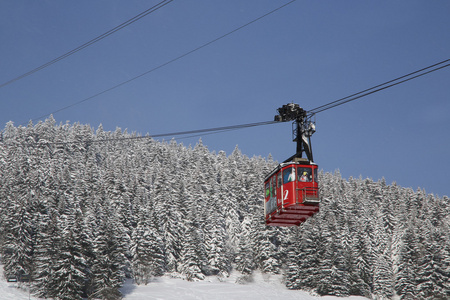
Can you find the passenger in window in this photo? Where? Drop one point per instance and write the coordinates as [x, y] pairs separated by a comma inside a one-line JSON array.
[[292, 175], [304, 177]]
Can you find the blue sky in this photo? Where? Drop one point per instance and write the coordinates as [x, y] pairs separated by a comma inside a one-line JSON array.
[[309, 52]]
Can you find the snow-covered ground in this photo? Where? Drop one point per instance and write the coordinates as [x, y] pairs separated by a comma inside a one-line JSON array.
[[10, 291], [166, 288]]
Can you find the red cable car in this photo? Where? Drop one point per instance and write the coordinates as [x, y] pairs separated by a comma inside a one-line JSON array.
[[291, 193], [292, 189]]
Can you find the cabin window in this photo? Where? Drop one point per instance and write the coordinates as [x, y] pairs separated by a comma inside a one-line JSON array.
[[280, 181], [274, 186], [288, 175], [267, 189], [304, 174], [316, 179]]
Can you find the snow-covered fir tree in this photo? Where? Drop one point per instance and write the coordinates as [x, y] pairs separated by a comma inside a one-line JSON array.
[[81, 209]]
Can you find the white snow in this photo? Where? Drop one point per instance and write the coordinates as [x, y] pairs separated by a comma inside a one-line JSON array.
[[10, 291], [166, 288], [262, 287]]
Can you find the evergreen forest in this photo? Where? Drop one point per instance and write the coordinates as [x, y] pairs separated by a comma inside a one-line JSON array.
[[82, 209]]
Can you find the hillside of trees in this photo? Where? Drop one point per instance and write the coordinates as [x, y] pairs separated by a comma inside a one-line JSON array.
[[81, 209]]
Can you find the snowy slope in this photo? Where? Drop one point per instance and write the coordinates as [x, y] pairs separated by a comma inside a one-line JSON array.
[[166, 288], [263, 287]]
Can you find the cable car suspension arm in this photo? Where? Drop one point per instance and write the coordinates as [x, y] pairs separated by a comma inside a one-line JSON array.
[[302, 128]]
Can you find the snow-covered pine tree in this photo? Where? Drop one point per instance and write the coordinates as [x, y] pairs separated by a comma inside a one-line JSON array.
[[334, 277], [218, 262], [293, 270], [69, 264], [47, 237], [377, 230], [193, 258], [18, 244], [382, 274], [109, 257], [405, 277], [267, 254], [147, 258], [168, 219], [191, 261], [431, 265], [246, 251]]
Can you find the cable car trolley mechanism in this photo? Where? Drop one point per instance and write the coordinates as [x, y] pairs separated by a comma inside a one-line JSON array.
[[292, 189]]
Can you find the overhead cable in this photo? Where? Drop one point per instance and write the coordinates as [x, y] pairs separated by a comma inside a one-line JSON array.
[[380, 87], [183, 134], [372, 90], [353, 97], [94, 40], [162, 65]]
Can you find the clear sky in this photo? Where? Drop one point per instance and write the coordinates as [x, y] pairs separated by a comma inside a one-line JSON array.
[[309, 52]]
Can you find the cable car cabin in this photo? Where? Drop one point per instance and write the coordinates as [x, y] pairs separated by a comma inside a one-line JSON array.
[[291, 193]]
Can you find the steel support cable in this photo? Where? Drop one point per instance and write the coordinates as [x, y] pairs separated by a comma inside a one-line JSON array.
[[310, 113], [379, 87], [192, 133], [94, 40], [164, 64]]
